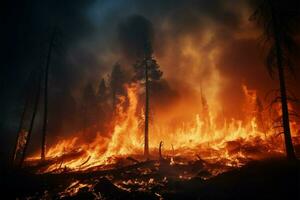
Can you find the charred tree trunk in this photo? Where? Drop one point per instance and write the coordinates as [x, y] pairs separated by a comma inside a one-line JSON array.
[[283, 96], [44, 133], [19, 130], [14, 154], [284, 107], [37, 97], [159, 150], [146, 147]]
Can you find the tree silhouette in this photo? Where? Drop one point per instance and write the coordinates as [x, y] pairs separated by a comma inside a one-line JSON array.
[[28, 116], [147, 70], [102, 110], [279, 20], [52, 43], [89, 104], [116, 83], [102, 90], [18, 146], [36, 97], [137, 35]]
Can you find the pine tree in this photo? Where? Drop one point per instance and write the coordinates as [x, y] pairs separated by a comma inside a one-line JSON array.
[[147, 70], [117, 80], [102, 90], [89, 104]]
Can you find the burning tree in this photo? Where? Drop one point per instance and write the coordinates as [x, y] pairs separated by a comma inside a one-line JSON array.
[[43, 76], [30, 111], [279, 19], [89, 102], [52, 44], [116, 83], [147, 70], [137, 35], [146, 67], [102, 90], [103, 96]]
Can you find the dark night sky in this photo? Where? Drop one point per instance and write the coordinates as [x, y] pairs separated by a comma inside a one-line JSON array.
[[89, 46]]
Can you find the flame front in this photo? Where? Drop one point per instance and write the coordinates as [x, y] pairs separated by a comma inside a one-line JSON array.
[[233, 143]]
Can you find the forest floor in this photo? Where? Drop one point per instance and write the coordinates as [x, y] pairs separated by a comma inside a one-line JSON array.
[[265, 179]]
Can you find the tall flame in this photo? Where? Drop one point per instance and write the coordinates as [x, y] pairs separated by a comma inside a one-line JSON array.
[[235, 139]]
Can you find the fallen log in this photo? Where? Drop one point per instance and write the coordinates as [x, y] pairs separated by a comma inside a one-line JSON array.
[[93, 174], [132, 159]]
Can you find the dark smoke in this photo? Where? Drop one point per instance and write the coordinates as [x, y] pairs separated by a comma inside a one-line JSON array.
[[134, 33]]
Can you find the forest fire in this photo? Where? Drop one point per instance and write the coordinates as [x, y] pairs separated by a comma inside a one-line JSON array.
[[152, 100], [233, 144]]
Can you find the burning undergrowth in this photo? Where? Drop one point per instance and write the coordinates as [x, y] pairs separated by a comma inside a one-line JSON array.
[[172, 115], [180, 125], [140, 135], [200, 141]]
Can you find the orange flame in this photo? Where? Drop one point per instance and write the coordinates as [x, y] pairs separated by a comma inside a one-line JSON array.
[[234, 141]]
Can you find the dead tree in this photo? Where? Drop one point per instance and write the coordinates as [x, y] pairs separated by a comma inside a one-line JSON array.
[[29, 93], [45, 120], [279, 19], [117, 80], [35, 108]]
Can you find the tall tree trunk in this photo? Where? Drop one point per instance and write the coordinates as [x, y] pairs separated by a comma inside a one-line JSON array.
[[146, 146], [14, 154], [44, 133], [283, 96], [37, 97], [284, 107]]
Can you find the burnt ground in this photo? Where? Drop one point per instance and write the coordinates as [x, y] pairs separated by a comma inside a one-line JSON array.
[[267, 179], [270, 179]]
